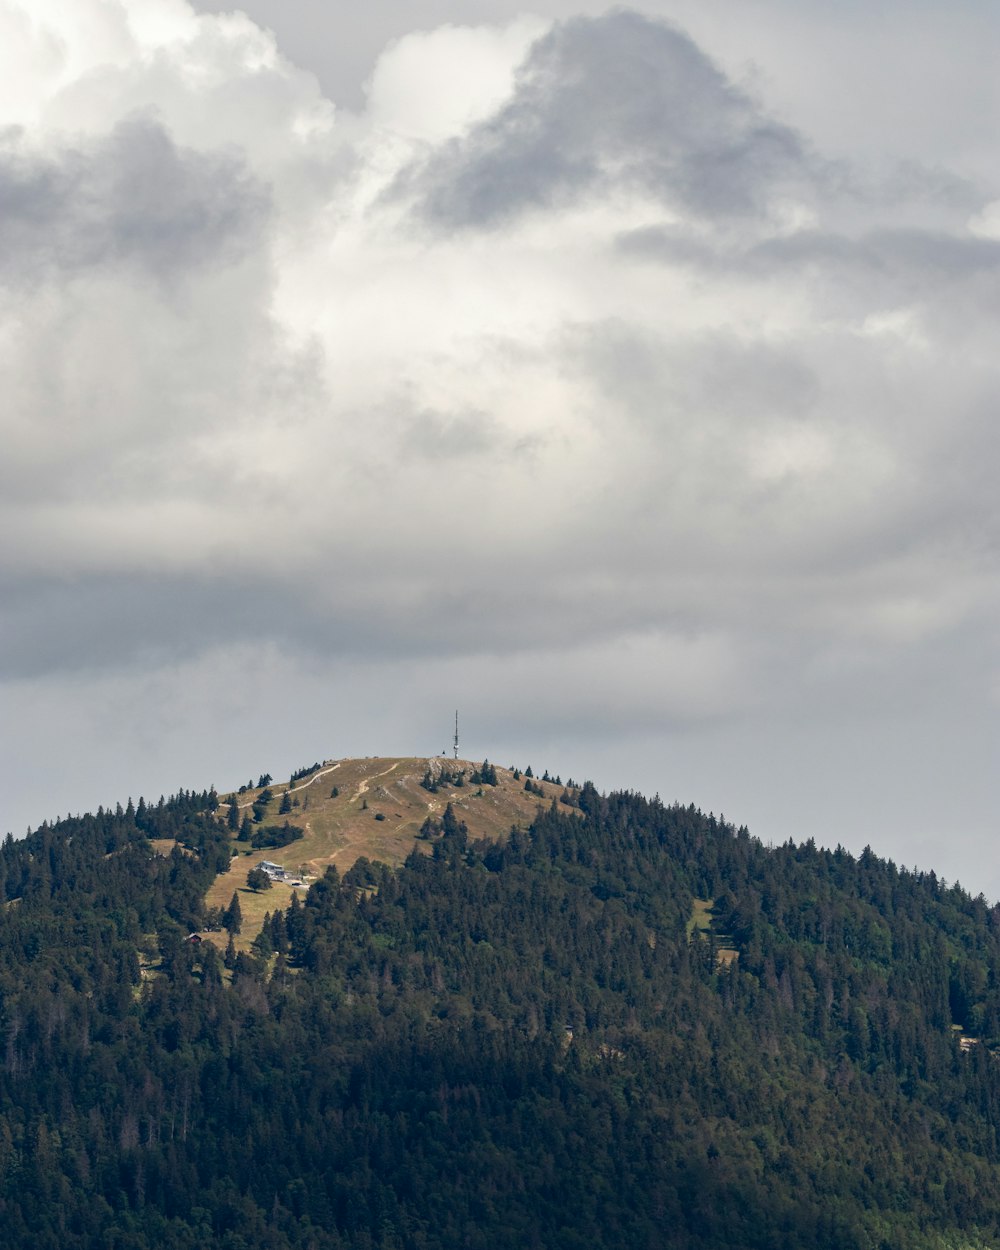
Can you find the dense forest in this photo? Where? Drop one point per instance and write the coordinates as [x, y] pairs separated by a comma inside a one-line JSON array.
[[528, 1043]]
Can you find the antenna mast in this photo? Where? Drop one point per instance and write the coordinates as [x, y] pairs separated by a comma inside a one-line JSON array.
[[456, 735]]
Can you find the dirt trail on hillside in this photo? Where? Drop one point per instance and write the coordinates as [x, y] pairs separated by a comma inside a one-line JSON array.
[[295, 789], [315, 777], [363, 788]]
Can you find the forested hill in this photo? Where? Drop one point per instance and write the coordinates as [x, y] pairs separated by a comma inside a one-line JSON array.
[[629, 1025]]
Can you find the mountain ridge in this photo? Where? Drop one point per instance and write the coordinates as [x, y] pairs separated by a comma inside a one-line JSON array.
[[527, 1040]]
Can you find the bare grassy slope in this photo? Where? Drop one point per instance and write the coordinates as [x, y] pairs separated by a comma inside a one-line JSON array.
[[377, 811]]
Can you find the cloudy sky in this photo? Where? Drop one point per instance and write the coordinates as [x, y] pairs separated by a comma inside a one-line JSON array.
[[626, 378]]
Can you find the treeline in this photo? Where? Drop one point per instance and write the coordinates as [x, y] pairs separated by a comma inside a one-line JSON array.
[[442, 776], [276, 835], [300, 773]]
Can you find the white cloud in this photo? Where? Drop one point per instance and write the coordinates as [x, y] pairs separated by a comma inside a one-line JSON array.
[[431, 85], [529, 379], [986, 223]]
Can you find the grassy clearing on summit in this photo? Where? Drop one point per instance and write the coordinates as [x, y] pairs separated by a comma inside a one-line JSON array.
[[366, 807]]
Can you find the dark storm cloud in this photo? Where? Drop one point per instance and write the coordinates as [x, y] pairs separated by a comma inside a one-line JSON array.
[[132, 197], [617, 101]]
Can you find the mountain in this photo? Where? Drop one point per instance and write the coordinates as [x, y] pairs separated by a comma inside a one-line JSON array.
[[370, 808], [615, 1024]]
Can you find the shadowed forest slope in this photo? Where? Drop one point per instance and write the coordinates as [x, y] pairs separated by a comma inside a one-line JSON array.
[[625, 1024]]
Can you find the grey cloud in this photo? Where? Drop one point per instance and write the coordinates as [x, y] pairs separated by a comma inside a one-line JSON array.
[[132, 197], [941, 284], [573, 501], [100, 622], [695, 424], [915, 255], [105, 622], [653, 378], [910, 254], [450, 436], [617, 100], [668, 245], [422, 604]]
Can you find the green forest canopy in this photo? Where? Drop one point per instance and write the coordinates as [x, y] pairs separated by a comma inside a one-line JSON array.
[[510, 1044]]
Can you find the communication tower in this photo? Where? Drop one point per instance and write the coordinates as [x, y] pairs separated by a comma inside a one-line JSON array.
[[456, 735]]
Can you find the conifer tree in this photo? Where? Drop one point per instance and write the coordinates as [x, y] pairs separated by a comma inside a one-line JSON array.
[[232, 917]]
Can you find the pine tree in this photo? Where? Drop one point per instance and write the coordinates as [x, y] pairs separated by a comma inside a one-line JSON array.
[[279, 934], [232, 917]]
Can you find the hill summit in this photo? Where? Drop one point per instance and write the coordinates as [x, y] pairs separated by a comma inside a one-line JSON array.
[[490, 1017], [377, 808]]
